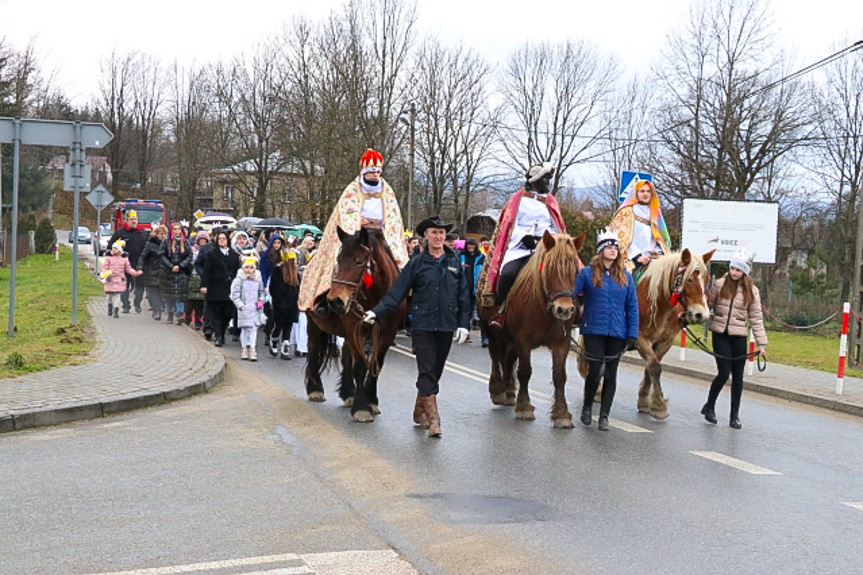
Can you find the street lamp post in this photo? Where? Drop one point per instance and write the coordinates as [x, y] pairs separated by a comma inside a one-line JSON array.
[[413, 115]]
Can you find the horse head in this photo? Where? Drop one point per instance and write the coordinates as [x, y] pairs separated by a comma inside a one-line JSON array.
[[354, 260], [559, 264], [693, 287]]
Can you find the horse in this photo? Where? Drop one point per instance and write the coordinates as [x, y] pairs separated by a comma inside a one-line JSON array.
[[672, 292], [365, 271], [540, 310]]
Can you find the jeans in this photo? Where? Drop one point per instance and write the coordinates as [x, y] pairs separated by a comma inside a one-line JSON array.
[[136, 285]]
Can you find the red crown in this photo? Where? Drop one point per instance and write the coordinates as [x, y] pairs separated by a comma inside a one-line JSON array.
[[371, 159]]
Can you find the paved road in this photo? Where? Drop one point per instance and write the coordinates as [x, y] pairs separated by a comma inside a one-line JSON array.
[[253, 470]]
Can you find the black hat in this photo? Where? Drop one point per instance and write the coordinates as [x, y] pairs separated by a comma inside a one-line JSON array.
[[432, 222]]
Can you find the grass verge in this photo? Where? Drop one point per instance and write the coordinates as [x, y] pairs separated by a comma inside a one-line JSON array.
[[44, 338]]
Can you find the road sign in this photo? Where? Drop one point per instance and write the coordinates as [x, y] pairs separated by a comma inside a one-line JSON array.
[[199, 214], [100, 197], [55, 133], [627, 183], [69, 179]]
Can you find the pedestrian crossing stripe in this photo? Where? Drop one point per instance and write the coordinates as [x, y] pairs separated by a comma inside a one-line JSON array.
[[734, 463], [334, 563], [855, 504]]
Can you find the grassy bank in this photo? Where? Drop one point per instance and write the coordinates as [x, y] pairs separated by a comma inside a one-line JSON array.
[[801, 350], [43, 313]]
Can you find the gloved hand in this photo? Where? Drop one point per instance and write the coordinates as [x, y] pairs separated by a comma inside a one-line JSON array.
[[461, 335], [631, 343], [529, 242], [369, 317], [259, 305]]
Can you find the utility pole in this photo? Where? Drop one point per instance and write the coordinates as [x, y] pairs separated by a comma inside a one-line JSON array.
[[413, 116], [855, 332]]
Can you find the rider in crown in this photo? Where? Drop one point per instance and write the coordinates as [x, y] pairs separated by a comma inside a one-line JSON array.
[[643, 233]]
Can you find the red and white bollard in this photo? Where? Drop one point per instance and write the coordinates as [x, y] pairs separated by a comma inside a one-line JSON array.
[[843, 345], [56, 252], [683, 345], [751, 365]]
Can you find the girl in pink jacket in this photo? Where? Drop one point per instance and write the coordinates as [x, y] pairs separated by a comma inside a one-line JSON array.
[[113, 276]]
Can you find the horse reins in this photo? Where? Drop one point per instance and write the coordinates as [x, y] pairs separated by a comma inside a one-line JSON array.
[[760, 358], [355, 307]]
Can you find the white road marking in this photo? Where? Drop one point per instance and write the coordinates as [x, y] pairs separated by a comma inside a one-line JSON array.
[[623, 426], [735, 463], [854, 504], [448, 367], [335, 563]]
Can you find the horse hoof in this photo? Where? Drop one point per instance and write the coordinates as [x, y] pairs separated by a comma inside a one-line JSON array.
[[317, 396], [349, 402], [660, 415], [563, 423], [375, 409], [525, 414], [363, 417], [502, 399]]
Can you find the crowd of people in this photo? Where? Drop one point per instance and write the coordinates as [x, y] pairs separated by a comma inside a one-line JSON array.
[[231, 282], [219, 283]]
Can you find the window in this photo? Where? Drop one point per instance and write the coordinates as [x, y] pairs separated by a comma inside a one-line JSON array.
[[253, 190], [229, 193]]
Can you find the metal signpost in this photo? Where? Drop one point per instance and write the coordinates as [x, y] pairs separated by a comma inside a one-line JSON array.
[[78, 136], [100, 198]]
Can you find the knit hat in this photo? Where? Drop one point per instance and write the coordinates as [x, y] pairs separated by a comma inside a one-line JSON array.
[[119, 244], [605, 238], [740, 261], [202, 235]]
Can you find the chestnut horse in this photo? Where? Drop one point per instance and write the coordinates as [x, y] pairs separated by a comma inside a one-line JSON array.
[[661, 316], [365, 271], [539, 311]]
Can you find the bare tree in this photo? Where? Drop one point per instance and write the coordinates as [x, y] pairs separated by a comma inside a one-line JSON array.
[[147, 85], [552, 97], [115, 107]]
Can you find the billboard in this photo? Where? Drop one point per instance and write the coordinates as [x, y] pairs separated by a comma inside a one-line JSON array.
[[730, 226]]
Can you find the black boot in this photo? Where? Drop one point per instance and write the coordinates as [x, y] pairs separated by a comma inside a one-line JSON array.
[[734, 421], [602, 425], [708, 412], [587, 415], [116, 312], [220, 341], [170, 317], [110, 310]]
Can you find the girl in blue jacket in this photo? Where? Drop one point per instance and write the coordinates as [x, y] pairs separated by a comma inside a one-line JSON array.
[[609, 323]]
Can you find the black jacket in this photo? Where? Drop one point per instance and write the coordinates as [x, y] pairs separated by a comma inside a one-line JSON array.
[[440, 299], [202, 257], [219, 271], [284, 298], [135, 242], [175, 285], [151, 262]]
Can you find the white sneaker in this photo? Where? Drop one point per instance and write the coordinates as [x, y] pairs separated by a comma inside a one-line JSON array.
[[245, 353], [253, 354]]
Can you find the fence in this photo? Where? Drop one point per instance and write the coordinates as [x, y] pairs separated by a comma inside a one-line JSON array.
[[25, 247]]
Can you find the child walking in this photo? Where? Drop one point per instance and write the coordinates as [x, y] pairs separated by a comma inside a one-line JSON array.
[[247, 293], [284, 291], [113, 275]]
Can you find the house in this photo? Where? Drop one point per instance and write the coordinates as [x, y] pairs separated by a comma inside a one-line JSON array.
[[101, 169]]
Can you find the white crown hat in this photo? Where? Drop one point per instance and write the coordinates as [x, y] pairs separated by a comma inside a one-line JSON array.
[[742, 261], [536, 172], [606, 237]]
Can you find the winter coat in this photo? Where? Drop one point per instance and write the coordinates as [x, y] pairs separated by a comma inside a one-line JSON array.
[[119, 266], [284, 298], [175, 285], [151, 262], [246, 293], [135, 241], [473, 271], [440, 300], [732, 317], [219, 272], [266, 266], [202, 256], [610, 310]]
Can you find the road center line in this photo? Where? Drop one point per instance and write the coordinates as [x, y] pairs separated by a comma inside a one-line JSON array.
[[855, 504], [446, 367], [734, 462]]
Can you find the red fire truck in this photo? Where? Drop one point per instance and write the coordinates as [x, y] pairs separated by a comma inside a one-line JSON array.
[[151, 213]]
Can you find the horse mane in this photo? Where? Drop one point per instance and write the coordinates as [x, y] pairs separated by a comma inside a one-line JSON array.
[[563, 257], [662, 272]]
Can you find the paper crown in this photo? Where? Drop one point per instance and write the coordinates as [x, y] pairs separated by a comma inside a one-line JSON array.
[[606, 237], [184, 223], [742, 262], [120, 244], [131, 214], [741, 255], [250, 262], [371, 159]]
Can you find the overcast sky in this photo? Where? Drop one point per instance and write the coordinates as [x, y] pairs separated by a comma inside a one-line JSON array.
[[73, 37]]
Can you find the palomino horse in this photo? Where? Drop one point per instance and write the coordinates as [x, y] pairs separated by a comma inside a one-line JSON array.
[[672, 293], [539, 311], [365, 271]]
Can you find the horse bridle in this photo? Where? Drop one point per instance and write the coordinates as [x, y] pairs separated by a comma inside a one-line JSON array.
[[352, 297]]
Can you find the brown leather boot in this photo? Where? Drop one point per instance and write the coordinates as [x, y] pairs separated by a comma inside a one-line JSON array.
[[433, 415], [420, 417]]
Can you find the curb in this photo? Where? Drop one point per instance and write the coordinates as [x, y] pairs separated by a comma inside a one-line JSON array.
[[67, 413], [786, 394]]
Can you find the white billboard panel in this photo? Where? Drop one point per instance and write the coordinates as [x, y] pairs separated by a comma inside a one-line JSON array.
[[730, 226]]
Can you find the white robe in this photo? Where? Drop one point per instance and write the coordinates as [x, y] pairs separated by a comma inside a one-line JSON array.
[[643, 242], [533, 219]]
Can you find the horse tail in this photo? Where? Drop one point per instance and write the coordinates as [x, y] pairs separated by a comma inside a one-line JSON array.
[[583, 367]]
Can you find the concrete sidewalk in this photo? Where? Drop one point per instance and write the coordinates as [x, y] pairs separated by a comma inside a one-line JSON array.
[[787, 382], [138, 362]]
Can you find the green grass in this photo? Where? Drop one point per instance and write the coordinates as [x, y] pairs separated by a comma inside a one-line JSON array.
[[44, 338], [807, 350]]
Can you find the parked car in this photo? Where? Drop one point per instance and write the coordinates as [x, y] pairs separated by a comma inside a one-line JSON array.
[[100, 240], [214, 220], [83, 235]]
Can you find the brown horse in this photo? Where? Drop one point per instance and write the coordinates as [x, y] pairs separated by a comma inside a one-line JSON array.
[[539, 311], [660, 319], [365, 271]]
